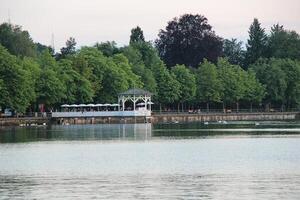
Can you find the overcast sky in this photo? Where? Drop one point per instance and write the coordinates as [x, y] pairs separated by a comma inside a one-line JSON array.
[[91, 21]]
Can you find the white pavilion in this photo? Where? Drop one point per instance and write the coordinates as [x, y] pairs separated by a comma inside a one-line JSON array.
[[131, 103]]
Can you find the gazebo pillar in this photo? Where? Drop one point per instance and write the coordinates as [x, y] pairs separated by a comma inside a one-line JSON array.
[[123, 104], [134, 100], [145, 101]]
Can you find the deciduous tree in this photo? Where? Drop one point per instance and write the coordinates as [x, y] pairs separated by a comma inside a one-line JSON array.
[[208, 83], [188, 40], [187, 83]]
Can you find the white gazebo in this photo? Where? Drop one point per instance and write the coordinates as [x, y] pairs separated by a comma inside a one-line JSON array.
[[140, 99]]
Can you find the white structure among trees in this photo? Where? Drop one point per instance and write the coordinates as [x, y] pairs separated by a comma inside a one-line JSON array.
[[140, 100], [131, 103]]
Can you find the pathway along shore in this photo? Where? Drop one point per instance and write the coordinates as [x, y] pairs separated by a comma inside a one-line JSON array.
[[155, 118]]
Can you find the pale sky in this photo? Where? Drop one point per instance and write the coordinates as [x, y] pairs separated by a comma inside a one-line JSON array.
[[91, 21]]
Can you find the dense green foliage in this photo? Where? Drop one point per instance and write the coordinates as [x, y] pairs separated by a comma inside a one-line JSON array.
[[256, 46], [188, 40], [16, 89], [187, 83], [137, 35], [281, 78], [203, 70], [16, 41], [283, 43], [233, 50], [209, 85]]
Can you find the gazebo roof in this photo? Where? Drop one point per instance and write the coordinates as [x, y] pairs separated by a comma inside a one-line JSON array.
[[136, 91]]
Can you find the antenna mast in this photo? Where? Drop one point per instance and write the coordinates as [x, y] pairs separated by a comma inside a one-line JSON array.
[[52, 42], [9, 17]]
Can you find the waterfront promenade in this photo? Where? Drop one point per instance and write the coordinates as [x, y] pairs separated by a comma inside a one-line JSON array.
[[155, 118]]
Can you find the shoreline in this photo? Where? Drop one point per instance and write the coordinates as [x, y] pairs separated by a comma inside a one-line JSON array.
[[155, 118]]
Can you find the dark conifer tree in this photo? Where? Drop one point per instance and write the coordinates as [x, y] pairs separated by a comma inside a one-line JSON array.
[[137, 35], [256, 46]]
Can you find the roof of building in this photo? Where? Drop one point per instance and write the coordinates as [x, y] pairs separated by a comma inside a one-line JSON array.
[[136, 91]]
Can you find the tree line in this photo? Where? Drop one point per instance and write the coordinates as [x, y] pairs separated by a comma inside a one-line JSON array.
[[188, 65]]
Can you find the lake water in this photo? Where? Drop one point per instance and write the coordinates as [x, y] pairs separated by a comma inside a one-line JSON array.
[[240, 160]]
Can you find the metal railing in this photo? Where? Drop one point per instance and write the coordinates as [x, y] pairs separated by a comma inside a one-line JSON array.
[[221, 111]]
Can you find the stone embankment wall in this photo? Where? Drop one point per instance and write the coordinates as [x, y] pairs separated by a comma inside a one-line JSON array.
[[24, 121], [224, 117], [156, 118]]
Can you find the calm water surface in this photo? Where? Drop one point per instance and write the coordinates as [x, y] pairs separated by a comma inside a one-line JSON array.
[[240, 160]]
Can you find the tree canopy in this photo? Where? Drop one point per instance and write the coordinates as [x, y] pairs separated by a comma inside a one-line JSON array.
[[256, 46], [68, 50], [188, 40], [283, 43], [188, 64], [233, 50], [209, 85], [187, 83], [15, 83], [16, 41], [137, 35]]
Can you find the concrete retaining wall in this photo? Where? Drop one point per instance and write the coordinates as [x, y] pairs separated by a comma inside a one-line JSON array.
[[156, 118], [224, 117], [24, 121]]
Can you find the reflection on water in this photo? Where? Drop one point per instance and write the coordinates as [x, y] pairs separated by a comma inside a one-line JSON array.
[[240, 160], [77, 132], [147, 131]]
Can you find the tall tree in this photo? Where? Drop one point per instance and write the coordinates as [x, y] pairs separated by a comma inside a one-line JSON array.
[[187, 40], [144, 59], [79, 89], [108, 48], [292, 71], [137, 35], [187, 83], [40, 48], [233, 82], [256, 46], [92, 64], [283, 43], [16, 91], [34, 71], [122, 62], [16, 41], [138, 67], [254, 90], [273, 77], [168, 88], [208, 84], [69, 49], [233, 50], [50, 87]]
